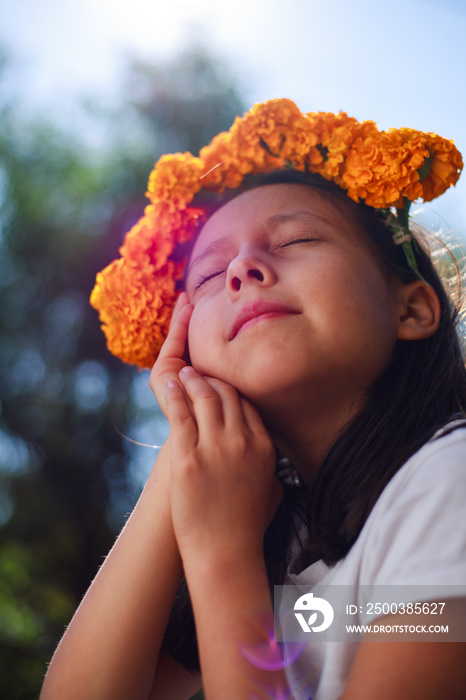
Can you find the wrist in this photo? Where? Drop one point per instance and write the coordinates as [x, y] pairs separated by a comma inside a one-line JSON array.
[[233, 611], [237, 558], [240, 579]]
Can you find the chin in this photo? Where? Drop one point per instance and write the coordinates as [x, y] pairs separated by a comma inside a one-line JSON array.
[[257, 377], [265, 390]]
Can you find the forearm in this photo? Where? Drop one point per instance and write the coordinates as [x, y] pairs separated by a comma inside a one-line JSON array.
[[223, 494], [234, 623], [111, 646]]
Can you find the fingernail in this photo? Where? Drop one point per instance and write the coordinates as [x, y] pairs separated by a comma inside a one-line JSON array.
[[186, 370]]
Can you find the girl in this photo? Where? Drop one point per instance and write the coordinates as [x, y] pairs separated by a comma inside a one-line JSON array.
[[313, 381]]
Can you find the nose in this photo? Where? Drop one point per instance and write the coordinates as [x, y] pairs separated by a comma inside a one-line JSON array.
[[248, 268]]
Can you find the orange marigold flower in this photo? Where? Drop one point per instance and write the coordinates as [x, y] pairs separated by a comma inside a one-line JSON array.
[[383, 167], [335, 134], [224, 166], [135, 308], [175, 179], [145, 248], [216, 158], [260, 136], [445, 167], [136, 293]]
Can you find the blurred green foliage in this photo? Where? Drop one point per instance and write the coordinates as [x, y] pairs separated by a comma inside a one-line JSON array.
[[66, 474]]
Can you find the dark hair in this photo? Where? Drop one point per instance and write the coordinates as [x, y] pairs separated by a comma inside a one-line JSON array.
[[421, 390]]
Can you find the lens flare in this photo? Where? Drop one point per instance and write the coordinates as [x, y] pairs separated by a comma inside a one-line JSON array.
[[268, 655]]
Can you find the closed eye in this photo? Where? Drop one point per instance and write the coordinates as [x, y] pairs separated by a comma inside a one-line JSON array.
[[297, 239], [205, 277]]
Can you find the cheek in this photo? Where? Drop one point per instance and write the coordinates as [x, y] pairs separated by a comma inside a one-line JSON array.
[[377, 304], [200, 336]]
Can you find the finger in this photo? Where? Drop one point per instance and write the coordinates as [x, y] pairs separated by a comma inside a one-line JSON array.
[[207, 404], [252, 416], [170, 359], [182, 425], [180, 302], [235, 407], [233, 414], [175, 343]]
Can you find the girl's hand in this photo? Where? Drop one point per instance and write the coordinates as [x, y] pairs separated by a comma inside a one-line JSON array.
[[171, 358], [223, 486]]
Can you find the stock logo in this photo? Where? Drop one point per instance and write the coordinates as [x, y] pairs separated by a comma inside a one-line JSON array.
[[309, 603]]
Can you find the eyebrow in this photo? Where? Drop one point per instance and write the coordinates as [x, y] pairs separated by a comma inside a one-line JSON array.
[[300, 214], [220, 245]]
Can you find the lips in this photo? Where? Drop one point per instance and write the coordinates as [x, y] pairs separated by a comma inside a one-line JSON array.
[[255, 311]]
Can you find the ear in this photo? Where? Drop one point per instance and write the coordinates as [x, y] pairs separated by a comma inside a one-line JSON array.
[[419, 315]]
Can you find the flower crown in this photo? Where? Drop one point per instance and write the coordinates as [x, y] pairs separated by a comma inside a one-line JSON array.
[[387, 170]]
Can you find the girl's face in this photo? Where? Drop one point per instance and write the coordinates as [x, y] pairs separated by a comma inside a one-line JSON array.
[[288, 297]]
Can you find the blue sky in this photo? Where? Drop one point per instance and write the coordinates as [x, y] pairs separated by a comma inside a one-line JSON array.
[[400, 63]]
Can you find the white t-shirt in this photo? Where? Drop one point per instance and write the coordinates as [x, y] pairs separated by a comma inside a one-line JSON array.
[[414, 536]]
